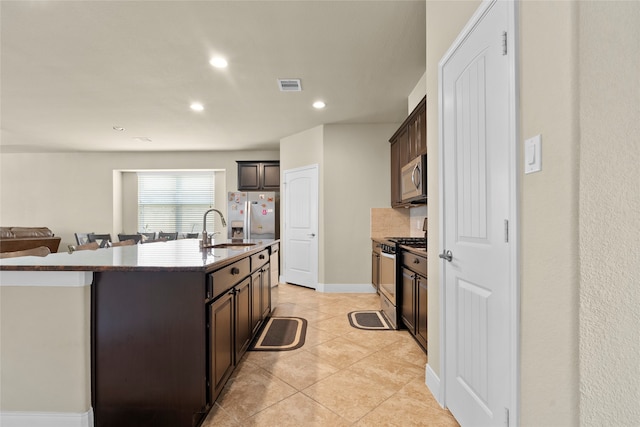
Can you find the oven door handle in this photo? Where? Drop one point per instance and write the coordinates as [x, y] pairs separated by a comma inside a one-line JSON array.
[[386, 255]]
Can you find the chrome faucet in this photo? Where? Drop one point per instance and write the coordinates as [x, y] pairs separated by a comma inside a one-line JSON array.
[[205, 236]]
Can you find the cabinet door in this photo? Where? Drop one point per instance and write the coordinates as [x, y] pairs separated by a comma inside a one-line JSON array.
[[421, 310], [265, 291], [271, 176], [396, 197], [403, 140], [421, 131], [408, 300], [221, 345], [375, 271], [243, 317], [256, 304], [248, 176]]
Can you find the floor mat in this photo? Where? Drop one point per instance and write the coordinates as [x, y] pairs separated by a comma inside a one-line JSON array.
[[372, 320], [281, 334]]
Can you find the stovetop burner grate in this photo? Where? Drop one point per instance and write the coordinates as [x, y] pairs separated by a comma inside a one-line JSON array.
[[409, 241]]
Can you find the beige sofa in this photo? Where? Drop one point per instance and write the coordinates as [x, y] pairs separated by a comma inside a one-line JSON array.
[[21, 238]]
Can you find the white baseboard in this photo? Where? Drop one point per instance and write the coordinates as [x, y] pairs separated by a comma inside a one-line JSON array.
[[347, 288], [46, 419], [433, 383]]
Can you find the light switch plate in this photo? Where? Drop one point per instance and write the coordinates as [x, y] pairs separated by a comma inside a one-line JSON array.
[[533, 154]]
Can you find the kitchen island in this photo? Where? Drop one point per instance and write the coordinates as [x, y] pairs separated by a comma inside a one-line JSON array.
[[133, 335]]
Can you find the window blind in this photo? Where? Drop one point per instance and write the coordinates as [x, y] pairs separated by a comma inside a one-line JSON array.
[[174, 201]]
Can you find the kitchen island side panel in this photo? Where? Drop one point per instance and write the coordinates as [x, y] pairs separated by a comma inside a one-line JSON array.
[[149, 348]]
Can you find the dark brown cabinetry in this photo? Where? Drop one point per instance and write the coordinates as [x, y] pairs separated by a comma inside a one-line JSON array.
[[418, 132], [375, 265], [414, 296], [236, 316], [221, 319], [258, 176], [165, 342], [243, 327], [149, 348], [409, 142], [261, 288], [230, 333]]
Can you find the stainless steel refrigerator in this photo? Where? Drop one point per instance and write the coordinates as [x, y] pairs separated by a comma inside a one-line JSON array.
[[253, 215]]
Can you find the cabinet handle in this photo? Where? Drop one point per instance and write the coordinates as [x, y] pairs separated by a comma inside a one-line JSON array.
[[235, 270], [416, 261], [261, 256]]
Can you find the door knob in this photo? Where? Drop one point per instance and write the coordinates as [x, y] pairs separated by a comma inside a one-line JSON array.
[[448, 255]]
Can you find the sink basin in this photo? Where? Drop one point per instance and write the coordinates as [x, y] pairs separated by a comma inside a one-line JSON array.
[[232, 245]]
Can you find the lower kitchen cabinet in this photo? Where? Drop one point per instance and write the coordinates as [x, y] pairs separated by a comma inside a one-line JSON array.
[[221, 339], [164, 343], [408, 307], [414, 296], [421, 311], [243, 327], [230, 333], [375, 265], [261, 289], [265, 291]]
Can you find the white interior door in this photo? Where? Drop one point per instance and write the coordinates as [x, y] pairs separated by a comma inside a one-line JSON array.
[[300, 247], [476, 147]]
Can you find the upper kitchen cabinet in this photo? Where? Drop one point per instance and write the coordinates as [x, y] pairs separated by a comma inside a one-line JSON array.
[[258, 175], [399, 146], [418, 131], [407, 143]]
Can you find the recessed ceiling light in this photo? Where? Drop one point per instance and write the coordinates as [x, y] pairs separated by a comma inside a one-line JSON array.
[[319, 105], [118, 128], [196, 106], [218, 62]]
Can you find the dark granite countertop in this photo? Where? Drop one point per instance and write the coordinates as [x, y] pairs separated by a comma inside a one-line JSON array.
[[177, 255]]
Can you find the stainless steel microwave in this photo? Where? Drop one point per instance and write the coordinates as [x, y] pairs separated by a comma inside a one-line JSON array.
[[413, 180]]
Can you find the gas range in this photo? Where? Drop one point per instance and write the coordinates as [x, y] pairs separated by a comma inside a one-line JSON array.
[[391, 243]]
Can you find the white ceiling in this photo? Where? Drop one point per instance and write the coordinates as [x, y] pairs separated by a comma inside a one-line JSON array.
[[71, 70]]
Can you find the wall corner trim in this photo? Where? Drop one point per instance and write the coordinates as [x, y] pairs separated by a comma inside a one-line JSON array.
[[433, 384], [46, 419]]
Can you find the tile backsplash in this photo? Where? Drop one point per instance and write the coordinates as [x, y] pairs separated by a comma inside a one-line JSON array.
[[416, 220], [388, 222]]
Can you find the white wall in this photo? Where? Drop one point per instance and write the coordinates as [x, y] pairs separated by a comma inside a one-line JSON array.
[[358, 158], [303, 149], [549, 212], [552, 262], [609, 194], [416, 95], [353, 178], [73, 192]]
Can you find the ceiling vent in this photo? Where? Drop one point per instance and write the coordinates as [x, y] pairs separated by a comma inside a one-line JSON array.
[[289, 85]]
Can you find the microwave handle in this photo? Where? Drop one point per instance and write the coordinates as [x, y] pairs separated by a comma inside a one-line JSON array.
[[413, 175]]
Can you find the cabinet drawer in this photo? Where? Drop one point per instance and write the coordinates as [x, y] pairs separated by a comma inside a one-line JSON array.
[[224, 279], [415, 263], [259, 259], [376, 246]]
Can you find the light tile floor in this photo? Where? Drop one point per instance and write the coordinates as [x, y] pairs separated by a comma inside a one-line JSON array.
[[342, 376]]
